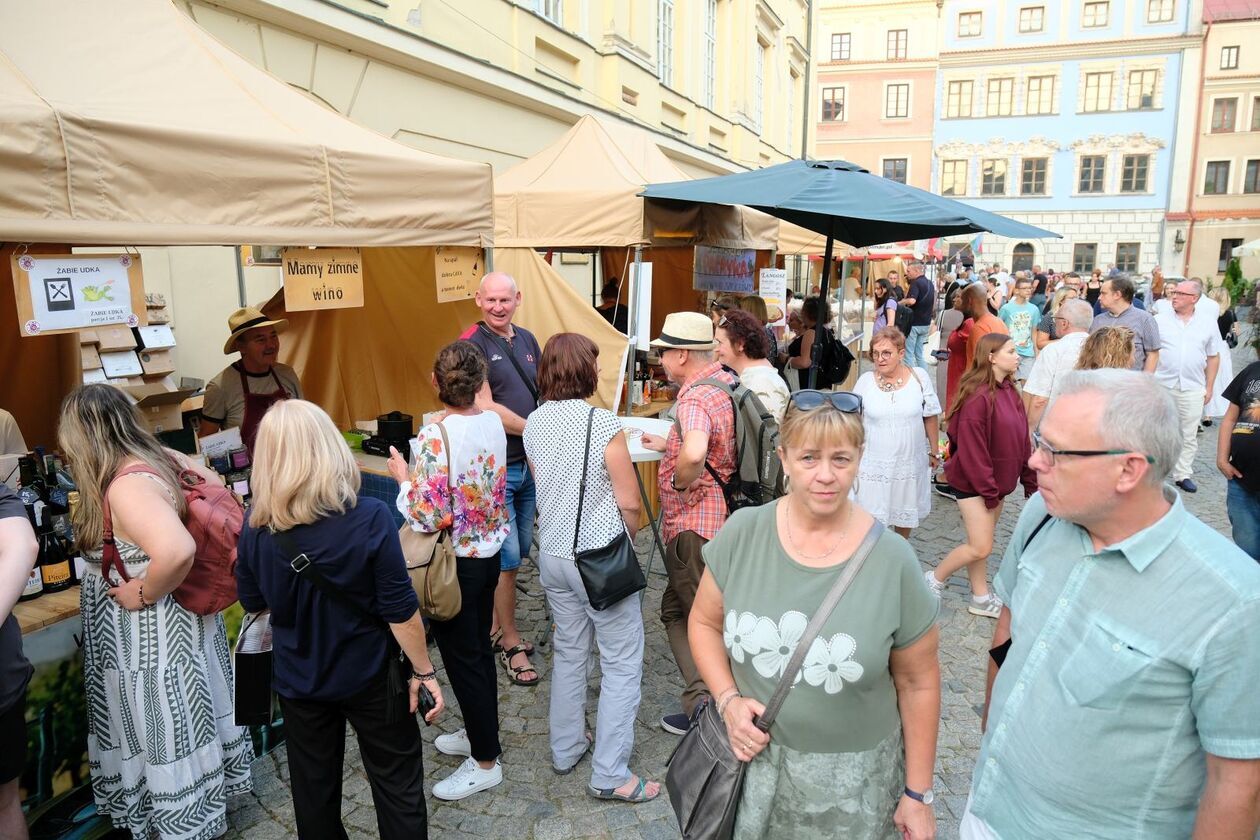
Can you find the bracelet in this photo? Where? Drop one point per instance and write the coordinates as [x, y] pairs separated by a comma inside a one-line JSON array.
[[416, 675], [143, 603], [673, 486], [722, 704]]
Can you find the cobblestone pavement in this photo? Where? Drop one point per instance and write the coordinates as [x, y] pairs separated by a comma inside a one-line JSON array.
[[534, 803]]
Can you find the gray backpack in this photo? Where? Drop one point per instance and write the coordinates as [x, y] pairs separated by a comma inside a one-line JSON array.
[[758, 476]]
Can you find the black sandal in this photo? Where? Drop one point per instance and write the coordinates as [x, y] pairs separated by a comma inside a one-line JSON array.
[[514, 673], [497, 635]]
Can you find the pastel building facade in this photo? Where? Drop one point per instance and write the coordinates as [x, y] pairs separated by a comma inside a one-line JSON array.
[[875, 85], [1064, 114]]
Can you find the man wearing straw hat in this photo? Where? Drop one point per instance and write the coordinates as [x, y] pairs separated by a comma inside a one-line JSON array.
[[241, 394], [691, 501]]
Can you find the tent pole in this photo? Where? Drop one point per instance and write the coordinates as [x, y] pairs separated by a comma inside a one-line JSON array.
[[826, 306], [862, 317], [240, 277], [633, 321]]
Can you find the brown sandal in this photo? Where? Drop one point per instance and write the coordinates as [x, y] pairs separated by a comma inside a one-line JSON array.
[[497, 636], [514, 673]]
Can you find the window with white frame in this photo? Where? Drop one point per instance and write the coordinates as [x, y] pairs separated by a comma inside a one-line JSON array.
[[665, 42], [1095, 14], [897, 40], [1255, 113], [1032, 176], [969, 24], [1032, 18], [1134, 172], [841, 43], [897, 101], [1141, 92], [758, 81], [710, 53], [993, 176], [1092, 177], [1127, 256], [1159, 11], [1040, 98], [552, 10], [833, 104], [1097, 92], [1084, 257], [1251, 177], [1229, 58], [953, 177], [1226, 254], [1216, 178], [999, 97], [1224, 115], [895, 169], [958, 96]]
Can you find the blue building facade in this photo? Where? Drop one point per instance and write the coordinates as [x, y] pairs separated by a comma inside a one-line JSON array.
[[1063, 113]]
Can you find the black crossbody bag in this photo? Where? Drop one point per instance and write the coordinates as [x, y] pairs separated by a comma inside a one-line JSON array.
[[507, 348], [397, 666], [610, 573]]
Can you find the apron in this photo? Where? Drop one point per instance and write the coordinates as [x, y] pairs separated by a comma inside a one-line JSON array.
[[256, 406]]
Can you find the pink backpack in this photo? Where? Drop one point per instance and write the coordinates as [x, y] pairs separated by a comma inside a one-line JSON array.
[[214, 519]]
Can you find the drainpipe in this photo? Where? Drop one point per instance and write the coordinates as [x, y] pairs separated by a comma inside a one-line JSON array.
[[1194, 158], [808, 93]]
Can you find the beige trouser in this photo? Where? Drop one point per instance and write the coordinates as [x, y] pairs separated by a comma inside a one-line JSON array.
[[685, 568], [1190, 411]]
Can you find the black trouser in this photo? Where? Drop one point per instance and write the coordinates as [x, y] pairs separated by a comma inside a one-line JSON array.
[[315, 732], [465, 645]]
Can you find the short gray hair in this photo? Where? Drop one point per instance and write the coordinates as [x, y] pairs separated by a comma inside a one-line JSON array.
[[1193, 281], [1138, 414], [1077, 312], [1021, 275]]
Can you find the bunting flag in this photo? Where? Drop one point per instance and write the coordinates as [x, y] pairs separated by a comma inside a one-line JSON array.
[[975, 244], [934, 248]]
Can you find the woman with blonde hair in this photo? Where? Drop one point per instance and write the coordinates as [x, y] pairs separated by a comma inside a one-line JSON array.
[[337, 622], [1108, 347], [1046, 329], [851, 751], [755, 305], [162, 747], [1227, 324], [988, 457]]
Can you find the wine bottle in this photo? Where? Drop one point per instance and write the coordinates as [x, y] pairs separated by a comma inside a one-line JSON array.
[[54, 566], [30, 484], [78, 566], [34, 586]]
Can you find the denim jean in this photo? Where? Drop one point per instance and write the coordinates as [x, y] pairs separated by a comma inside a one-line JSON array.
[[521, 501], [915, 344], [1243, 507]]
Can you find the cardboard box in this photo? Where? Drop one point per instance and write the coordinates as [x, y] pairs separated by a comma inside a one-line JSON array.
[[159, 316], [154, 300], [89, 337], [157, 337], [114, 338], [121, 364], [91, 376], [159, 407], [89, 357], [157, 362]]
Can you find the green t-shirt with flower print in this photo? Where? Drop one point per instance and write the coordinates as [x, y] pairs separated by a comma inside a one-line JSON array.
[[843, 699]]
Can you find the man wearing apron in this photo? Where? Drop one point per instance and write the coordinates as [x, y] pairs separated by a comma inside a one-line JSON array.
[[241, 394]]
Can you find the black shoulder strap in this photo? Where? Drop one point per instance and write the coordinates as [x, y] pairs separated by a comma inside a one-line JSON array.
[[507, 348], [577, 525], [304, 568], [1035, 531]]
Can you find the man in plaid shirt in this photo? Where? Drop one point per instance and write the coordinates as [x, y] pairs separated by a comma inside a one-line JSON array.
[[691, 501]]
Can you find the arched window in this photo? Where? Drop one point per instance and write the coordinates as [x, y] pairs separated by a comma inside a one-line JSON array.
[[1022, 258]]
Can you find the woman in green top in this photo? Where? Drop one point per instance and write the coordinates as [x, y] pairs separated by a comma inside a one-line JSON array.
[[852, 751]]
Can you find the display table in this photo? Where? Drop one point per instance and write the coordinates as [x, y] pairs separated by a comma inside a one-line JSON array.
[[646, 472], [652, 409], [47, 609]]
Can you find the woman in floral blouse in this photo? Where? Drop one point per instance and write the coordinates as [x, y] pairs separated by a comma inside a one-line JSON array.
[[470, 443]]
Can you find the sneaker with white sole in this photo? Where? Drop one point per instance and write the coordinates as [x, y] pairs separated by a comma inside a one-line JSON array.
[[988, 606], [453, 743], [935, 585], [468, 778]]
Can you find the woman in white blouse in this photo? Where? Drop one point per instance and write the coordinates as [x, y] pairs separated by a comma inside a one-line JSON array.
[[742, 346], [555, 437]]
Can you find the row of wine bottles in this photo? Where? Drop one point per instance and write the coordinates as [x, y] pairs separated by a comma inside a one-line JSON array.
[[50, 497]]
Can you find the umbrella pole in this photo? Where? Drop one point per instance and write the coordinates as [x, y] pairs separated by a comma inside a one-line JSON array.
[[823, 293], [633, 320]]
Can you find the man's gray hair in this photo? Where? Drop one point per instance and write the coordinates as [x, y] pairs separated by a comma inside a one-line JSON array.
[[1078, 313], [1196, 283], [1138, 414], [705, 356], [498, 275], [913, 263]]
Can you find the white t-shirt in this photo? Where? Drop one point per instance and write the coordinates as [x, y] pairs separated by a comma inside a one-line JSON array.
[[11, 440], [225, 401], [1056, 360], [768, 385], [554, 436]]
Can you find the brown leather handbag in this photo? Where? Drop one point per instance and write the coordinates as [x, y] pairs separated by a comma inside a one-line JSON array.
[[431, 561]]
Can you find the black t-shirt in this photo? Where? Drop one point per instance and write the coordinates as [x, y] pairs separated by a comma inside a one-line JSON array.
[[1226, 321], [1244, 443], [924, 295], [1039, 287], [506, 385], [952, 290], [15, 671], [615, 315]]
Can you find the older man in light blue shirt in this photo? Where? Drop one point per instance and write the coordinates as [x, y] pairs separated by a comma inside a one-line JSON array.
[[1128, 705]]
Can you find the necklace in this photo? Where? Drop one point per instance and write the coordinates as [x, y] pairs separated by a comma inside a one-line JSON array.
[[787, 520], [887, 384]]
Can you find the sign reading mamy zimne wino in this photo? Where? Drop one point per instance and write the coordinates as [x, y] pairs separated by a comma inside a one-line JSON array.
[[322, 278]]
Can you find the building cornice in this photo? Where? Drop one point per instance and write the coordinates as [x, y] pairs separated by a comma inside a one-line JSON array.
[[855, 67], [1065, 52]]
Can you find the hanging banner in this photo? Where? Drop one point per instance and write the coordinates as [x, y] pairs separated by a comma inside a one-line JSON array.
[[773, 290], [458, 272], [64, 293], [322, 278], [723, 269]]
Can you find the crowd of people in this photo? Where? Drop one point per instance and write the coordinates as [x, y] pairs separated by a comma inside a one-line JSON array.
[[1116, 705]]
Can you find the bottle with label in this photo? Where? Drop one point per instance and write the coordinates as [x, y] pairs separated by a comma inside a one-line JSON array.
[[77, 563], [34, 586], [54, 566], [31, 489]]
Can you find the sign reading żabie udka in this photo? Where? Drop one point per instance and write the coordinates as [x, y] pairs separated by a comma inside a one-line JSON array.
[[58, 293], [322, 278]]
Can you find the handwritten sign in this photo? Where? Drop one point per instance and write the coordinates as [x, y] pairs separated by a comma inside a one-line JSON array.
[[63, 293], [773, 290], [723, 269], [458, 272], [322, 278]]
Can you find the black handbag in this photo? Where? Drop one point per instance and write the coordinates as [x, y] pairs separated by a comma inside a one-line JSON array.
[[611, 573], [704, 778], [251, 662], [397, 666]]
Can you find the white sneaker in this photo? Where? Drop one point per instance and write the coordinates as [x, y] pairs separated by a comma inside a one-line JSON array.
[[468, 779], [454, 743], [935, 585], [987, 606]]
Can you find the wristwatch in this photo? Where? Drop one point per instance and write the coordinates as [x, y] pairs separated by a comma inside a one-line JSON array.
[[927, 797]]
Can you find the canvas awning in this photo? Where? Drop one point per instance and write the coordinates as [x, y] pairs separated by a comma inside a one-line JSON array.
[[126, 123]]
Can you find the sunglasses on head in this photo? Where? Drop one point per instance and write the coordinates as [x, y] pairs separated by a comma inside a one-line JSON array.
[[845, 401]]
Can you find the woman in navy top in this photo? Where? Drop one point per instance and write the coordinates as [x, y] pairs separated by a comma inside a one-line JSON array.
[[329, 663]]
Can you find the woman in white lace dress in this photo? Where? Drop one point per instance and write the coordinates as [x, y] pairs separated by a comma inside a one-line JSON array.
[[901, 412]]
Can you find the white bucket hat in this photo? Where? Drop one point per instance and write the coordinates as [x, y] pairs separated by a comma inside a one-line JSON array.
[[686, 331]]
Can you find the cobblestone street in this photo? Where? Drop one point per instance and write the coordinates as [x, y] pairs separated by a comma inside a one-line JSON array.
[[534, 803]]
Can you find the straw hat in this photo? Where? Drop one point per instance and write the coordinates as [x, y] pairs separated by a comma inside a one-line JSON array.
[[686, 331], [245, 319]]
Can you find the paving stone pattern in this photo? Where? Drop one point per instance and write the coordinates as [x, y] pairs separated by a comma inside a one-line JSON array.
[[534, 803]]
